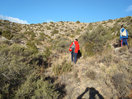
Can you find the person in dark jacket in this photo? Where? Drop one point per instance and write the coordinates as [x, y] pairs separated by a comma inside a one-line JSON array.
[[75, 48]]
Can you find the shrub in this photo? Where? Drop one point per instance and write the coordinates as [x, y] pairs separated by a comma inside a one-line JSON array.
[[62, 44], [0, 31], [32, 46], [62, 68], [54, 32], [13, 69], [130, 42], [19, 73], [120, 84], [31, 34], [115, 29], [52, 22], [72, 35], [36, 87], [91, 74], [48, 28], [94, 41], [7, 34], [78, 31], [90, 27], [18, 38], [41, 37], [110, 20], [129, 28], [77, 21]]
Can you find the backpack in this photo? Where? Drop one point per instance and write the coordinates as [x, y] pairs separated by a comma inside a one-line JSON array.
[[73, 47], [124, 33]]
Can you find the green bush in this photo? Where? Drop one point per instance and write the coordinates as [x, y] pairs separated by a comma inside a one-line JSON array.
[[110, 20], [62, 44], [31, 34], [36, 88], [90, 27], [13, 69], [78, 31], [48, 28], [19, 73], [52, 22], [17, 38], [32, 46], [54, 32], [93, 42], [0, 31], [62, 68], [77, 21], [129, 28], [7, 34]]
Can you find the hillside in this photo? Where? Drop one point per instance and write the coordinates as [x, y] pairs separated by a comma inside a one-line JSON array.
[[35, 62]]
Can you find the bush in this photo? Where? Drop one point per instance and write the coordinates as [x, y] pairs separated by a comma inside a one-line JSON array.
[[31, 34], [120, 84], [78, 31], [36, 87], [48, 28], [110, 20], [77, 22], [91, 74], [116, 29], [18, 38], [19, 73], [62, 68], [129, 28], [7, 34], [130, 42], [94, 41], [54, 32], [0, 32], [32, 46], [13, 69], [90, 27], [62, 44]]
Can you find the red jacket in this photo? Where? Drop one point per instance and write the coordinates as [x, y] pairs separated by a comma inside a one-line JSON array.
[[76, 46]]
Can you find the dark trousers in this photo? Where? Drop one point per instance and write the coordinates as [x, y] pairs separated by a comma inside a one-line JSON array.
[[74, 57]]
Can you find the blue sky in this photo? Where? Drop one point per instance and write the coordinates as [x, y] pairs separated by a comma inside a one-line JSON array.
[[38, 11]]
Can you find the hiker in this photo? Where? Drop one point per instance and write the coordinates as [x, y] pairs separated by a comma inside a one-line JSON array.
[[74, 48], [123, 36]]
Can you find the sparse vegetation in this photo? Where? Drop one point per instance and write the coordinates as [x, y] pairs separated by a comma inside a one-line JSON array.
[[62, 44], [35, 61], [93, 42], [32, 46], [91, 74], [7, 34], [63, 67], [54, 32]]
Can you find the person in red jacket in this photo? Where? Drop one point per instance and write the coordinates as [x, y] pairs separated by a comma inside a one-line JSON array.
[[75, 49]]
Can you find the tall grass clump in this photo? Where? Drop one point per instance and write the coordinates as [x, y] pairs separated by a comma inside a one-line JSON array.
[[61, 68]]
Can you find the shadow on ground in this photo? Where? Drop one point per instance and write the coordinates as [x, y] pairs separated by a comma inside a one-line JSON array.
[[59, 87], [92, 93]]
